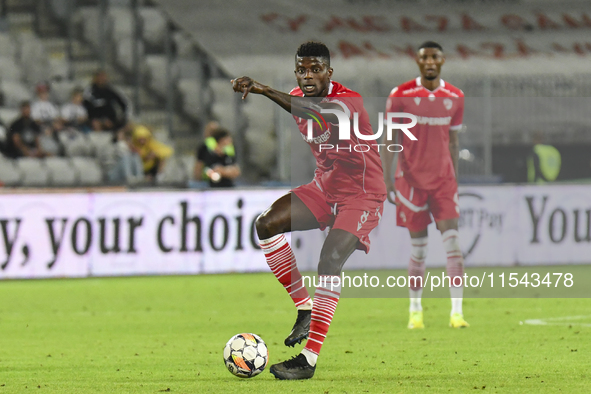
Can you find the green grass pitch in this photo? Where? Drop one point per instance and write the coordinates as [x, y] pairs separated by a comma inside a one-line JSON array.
[[166, 334]]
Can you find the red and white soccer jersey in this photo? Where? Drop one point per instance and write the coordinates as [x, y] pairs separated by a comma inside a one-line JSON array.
[[348, 189], [425, 177]]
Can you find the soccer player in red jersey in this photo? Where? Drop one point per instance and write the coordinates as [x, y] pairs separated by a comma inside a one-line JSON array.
[[347, 194], [426, 175]]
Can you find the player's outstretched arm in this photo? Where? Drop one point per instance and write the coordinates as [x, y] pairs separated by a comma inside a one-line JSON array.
[[248, 85]]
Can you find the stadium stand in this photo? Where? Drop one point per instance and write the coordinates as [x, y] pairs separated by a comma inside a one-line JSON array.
[[75, 144], [61, 171], [34, 171], [35, 48], [10, 174], [89, 171], [521, 49]]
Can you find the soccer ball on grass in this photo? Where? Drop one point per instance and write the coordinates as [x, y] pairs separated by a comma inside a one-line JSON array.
[[246, 355]]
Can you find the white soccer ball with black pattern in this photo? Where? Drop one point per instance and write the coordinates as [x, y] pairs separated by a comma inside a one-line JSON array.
[[246, 355]]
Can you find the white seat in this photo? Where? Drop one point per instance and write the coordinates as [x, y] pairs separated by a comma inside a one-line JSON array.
[[183, 43], [106, 156], [261, 147], [59, 68], [154, 26], [7, 46], [188, 162], [156, 67], [34, 172], [89, 171], [191, 68], [33, 58], [75, 144], [61, 171], [259, 113], [124, 49], [225, 113], [9, 69], [192, 96], [62, 90], [90, 21], [14, 93], [173, 172], [8, 115], [100, 140], [122, 18], [10, 174]]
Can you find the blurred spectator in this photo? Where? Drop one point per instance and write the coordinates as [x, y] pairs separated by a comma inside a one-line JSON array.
[[46, 115], [208, 144], [43, 111], [218, 164], [544, 162], [128, 167], [73, 113], [152, 152], [3, 139], [208, 140], [107, 110], [23, 135]]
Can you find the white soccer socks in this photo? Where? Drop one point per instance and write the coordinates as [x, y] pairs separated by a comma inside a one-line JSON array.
[[416, 272], [455, 268]]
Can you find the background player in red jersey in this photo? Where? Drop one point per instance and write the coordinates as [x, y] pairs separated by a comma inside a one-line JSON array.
[[426, 175], [347, 194]]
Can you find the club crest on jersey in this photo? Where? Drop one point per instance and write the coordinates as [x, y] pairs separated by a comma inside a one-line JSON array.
[[417, 100], [447, 103]]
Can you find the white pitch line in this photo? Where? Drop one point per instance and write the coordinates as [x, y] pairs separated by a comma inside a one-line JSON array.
[[558, 321]]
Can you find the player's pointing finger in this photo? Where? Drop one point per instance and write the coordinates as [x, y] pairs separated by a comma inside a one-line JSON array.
[[246, 90]]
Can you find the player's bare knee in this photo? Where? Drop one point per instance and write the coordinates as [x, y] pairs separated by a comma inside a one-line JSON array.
[[264, 226], [330, 263]]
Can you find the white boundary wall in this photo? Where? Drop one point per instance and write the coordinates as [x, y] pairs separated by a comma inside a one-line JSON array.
[[72, 235]]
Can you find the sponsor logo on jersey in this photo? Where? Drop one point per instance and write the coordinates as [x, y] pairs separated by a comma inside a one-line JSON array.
[[318, 140], [434, 121], [417, 100]]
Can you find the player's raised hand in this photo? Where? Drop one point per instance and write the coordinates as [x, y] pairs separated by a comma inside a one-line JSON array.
[[391, 193], [247, 85]]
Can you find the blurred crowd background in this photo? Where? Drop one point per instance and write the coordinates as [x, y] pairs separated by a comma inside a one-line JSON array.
[[136, 93]]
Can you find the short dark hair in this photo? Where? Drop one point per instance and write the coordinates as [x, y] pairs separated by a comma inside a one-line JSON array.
[[219, 134], [430, 44], [314, 49], [25, 103]]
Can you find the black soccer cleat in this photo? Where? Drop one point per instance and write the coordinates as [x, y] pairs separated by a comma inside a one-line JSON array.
[[295, 369], [300, 329]]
